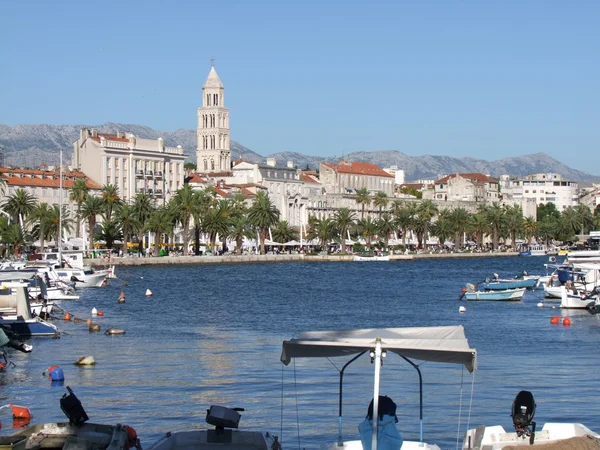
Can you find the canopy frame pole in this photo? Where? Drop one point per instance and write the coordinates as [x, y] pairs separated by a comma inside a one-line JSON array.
[[420, 396], [340, 441], [376, 355]]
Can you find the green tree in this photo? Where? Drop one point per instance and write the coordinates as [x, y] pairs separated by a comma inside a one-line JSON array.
[[56, 227], [443, 228], [110, 231], [496, 219], [91, 208], [322, 230], [479, 226], [385, 227], [380, 201], [110, 196], [185, 200], [547, 210], [363, 198], [142, 209], [16, 237], [283, 232], [216, 222], [159, 223], [425, 212], [459, 218], [238, 231], [190, 166], [530, 228], [39, 220], [514, 222], [19, 205], [367, 228], [584, 214], [77, 194], [262, 215], [128, 222], [344, 220]]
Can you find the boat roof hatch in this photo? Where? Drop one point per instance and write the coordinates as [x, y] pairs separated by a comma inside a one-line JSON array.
[[446, 344]]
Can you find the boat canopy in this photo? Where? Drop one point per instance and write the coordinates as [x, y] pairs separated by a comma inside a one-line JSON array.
[[446, 344]]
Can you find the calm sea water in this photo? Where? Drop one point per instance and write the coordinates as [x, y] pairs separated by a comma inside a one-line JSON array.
[[213, 334]]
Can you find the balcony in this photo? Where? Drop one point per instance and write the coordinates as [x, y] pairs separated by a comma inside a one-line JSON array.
[[139, 173], [149, 173], [158, 174]]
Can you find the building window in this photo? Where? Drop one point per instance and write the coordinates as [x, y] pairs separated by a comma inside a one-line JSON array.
[[212, 165]]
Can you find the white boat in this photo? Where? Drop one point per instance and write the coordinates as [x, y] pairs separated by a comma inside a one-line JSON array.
[[83, 278], [562, 435], [371, 256], [436, 344], [223, 436], [571, 299], [583, 256]]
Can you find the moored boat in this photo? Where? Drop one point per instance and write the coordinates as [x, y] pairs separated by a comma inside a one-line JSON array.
[[371, 256], [471, 294]]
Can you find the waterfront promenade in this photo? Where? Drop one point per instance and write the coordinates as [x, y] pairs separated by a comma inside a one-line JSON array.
[[273, 258]]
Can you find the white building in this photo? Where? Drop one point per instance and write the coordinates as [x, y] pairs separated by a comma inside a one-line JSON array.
[[466, 187], [213, 152], [134, 165], [543, 187], [399, 179], [347, 177]]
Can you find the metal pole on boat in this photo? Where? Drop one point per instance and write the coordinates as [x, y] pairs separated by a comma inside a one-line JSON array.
[[60, 201], [377, 355]]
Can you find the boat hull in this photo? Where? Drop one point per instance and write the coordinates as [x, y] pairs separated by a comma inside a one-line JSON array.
[[498, 296], [528, 283], [29, 327]]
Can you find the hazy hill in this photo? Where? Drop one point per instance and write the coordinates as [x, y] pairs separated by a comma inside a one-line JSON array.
[[31, 145]]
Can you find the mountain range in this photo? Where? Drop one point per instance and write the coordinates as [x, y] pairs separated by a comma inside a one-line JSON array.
[[32, 145]]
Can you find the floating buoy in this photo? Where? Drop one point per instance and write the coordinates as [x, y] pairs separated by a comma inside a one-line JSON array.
[[100, 313], [464, 289], [567, 322], [122, 297], [57, 374], [94, 327], [94, 311], [462, 309], [20, 412], [88, 323], [555, 320], [540, 305], [85, 361], [553, 307], [148, 293], [114, 331], [49, 370], [67, 316]]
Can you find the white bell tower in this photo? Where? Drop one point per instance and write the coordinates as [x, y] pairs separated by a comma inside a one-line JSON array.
[[213, 153]]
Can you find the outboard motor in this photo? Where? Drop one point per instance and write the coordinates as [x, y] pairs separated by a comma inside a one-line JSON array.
[[222, 418], [523, 410]]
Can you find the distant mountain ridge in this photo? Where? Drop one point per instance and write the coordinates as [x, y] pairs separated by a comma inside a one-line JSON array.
[[32, 145]]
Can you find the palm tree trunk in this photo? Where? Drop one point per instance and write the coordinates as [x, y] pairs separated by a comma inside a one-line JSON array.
[[197, 239], [263, 236], [186, 228], [91, 224], [125, 240], [238, 245]]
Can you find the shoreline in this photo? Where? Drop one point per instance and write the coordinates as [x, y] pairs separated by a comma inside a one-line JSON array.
[[246, 259]]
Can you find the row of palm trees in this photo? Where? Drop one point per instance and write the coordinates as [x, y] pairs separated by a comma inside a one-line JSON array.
[[191, 214]]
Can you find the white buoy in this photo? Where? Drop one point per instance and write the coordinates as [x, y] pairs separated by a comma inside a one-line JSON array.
[[462, 309], [94, 311], [540, 305], [148, 293]]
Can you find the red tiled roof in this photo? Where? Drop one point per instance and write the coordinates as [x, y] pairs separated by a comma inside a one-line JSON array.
[[195, 178], [307, 178], [33, 177], [109, 137], [359, 168], [475, 177]]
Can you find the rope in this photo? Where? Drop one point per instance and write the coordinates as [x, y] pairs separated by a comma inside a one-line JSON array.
[[297, 411], [281, 408]]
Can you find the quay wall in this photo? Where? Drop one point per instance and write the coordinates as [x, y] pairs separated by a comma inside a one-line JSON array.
[[245, 259]]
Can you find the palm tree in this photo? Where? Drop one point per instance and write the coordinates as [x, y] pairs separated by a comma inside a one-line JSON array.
[[460, 219], [238, 231], [570, 222], [367, 228], [110, 231], [363, 198], [496, 219], [514, 222], [443, 228], [77, 194], [425, 212], [403, 218], [16, 237], [90, 209], [216, 222], [283, 232], [385, 227], [160, 223], [262, 214], [185, 200], [585, 216], [40, 217], [128, 222], [380, 201], [19, 205], [479, 226], [110, 196], [323, 230], [530, 228], [56, 227], [142, 209], [343, 220]]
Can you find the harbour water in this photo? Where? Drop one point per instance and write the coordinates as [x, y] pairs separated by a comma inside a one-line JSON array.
[[212, 335]]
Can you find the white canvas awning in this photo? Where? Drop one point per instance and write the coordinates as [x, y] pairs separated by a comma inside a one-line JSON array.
[[291, 243], [446, 344]]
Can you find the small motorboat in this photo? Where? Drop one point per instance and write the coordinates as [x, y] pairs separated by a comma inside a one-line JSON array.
[[515, 294], [525, 434], [74, 434], [521, 281], [224, 436]]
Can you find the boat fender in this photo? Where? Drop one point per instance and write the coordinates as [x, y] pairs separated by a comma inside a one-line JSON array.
[[94, 311], [114, 331], [67, 317], [94, 327], [100, 313], [132, 436], [20, 412], [85, 361], [148, 293]]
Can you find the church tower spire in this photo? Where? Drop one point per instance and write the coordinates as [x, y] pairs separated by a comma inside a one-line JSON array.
[[213, 153]]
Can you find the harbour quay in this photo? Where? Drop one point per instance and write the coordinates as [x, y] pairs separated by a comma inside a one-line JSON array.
[[273, 258]]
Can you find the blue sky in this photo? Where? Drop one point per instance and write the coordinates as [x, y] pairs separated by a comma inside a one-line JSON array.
[[459, 78]]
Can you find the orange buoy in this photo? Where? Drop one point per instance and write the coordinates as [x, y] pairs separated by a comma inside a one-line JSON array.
[[49, 370], [67, 316], [20, 412], [121, 297], [567, 322], [100, 313], [464, 289], [131, 436], [555, 320]]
